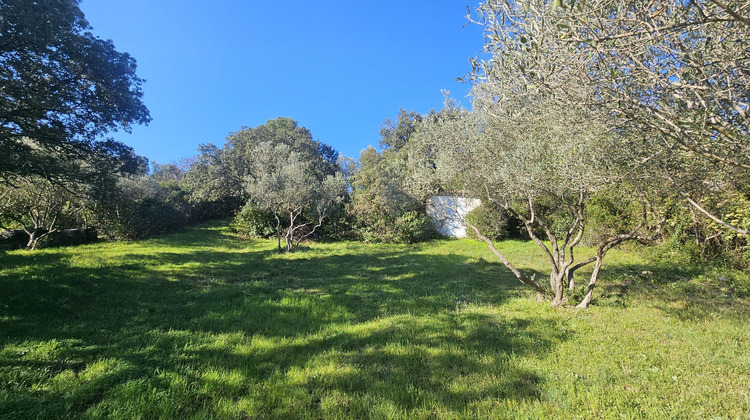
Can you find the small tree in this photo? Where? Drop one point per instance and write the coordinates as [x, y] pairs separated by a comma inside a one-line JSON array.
[[537, 160], [287, 185], [39, 207]]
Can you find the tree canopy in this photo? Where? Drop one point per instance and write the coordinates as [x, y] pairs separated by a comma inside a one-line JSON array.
[[675, 73], [62, 87]]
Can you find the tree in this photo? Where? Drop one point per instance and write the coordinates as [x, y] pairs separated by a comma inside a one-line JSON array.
[[39, 207], [275, 167], [62, 87], [675, 72], [395, 134], [539, 160], [241, 146], [218, 173], [215, 182], [286, 184], [383, 207]]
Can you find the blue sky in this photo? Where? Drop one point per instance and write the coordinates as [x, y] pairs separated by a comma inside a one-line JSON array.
[[338, 68]]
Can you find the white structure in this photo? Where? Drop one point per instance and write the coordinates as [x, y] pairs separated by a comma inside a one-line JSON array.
[[448, 213]]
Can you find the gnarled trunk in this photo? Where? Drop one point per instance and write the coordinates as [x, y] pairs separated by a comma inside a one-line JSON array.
[[35, 234]]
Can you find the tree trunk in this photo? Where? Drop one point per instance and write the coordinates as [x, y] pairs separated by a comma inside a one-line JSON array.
[[520, 276], [35, 235], [278, 231], [288, 237], [571, 280], [592, 282], [571, 272], [31, 244], [556, 280]]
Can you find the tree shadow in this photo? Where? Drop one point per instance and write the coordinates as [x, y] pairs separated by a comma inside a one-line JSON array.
[[400, 325], [685, 292]]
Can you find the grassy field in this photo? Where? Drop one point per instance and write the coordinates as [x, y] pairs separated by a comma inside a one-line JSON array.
[[200, 324]]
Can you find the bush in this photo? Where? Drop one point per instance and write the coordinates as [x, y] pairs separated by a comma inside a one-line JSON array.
[[494, 223], [338, 226], [253, 223], [141, 208], [414, 226], [409, 227]]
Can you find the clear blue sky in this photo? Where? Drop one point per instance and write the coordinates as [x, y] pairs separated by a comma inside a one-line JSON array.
[[338, 68]]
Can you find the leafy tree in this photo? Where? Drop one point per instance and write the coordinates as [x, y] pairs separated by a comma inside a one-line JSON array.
[[276, 167], [382, 205], [39, 207], [241, 146], [61, 88], [674, 72], [383, 208], [395, 134], [139, 207], [287, 184], [539, 161], [218, 173], [214, 183]]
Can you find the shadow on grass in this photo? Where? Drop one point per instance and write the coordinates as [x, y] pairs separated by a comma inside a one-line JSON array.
[[393, 324], [687, 292]]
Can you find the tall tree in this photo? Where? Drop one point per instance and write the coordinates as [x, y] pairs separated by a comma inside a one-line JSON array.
[[394, 134], [675, 72], [276, 167], [61, 86]]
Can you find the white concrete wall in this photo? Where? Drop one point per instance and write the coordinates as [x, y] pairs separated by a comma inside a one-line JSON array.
[[448, 213]]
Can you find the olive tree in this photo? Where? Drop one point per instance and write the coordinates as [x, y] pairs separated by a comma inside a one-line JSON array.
[[282, 181], [538, 160], [39, 207], [676, 72]]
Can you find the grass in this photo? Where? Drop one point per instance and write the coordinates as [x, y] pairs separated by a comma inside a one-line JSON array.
[[200, 324]]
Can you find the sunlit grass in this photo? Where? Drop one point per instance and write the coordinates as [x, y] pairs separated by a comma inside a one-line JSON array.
[[200, 324]]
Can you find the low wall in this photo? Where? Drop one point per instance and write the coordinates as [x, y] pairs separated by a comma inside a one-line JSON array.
[[17, 238], [13, 239]]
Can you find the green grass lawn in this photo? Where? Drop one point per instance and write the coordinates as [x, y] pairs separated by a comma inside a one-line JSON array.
[[200, 324]]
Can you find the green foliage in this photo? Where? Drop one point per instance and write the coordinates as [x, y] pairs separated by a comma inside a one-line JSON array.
[[408, 228], [611, 212], [414, 226], [396, 134], [339, 224], [289, 187], [40, 208], [199, 324], [213, 177], [382, 209], [143, 207], [62, 88], [494, 223], [254, 223]]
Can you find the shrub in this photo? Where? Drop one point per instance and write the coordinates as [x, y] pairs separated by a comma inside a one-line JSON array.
[[410, 227], [141, 208], [494, 223], [254, 223], [414, 226]]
